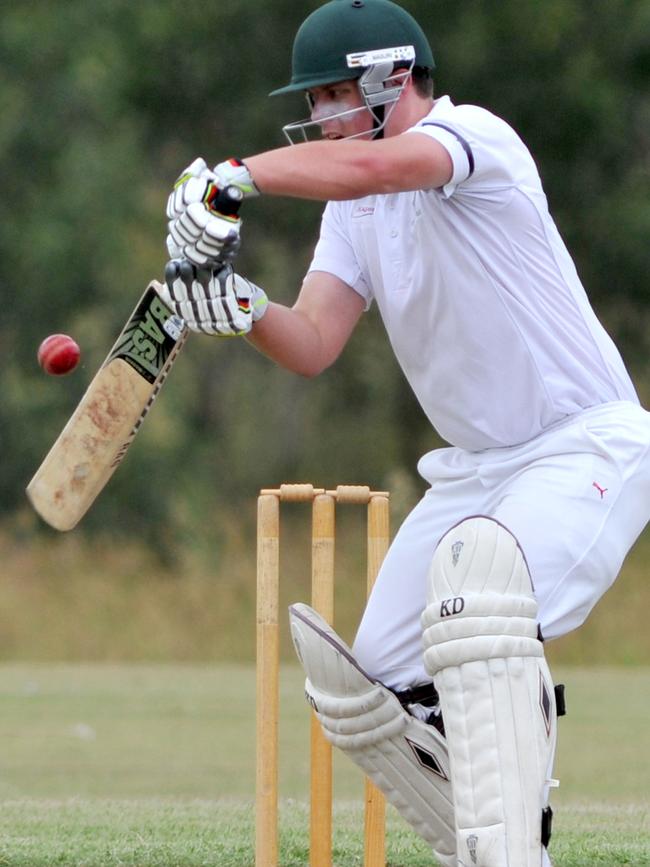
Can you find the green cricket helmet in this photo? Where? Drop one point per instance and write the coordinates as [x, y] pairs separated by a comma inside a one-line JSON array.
[[363, 39], [346, 27]]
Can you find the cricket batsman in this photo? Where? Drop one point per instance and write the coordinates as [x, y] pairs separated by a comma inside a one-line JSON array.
[[436, 213]]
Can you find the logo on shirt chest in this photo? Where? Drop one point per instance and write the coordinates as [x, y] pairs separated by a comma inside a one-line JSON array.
[[363, 211]]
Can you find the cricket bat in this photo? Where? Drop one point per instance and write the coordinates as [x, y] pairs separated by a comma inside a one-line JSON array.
[[109, 415]]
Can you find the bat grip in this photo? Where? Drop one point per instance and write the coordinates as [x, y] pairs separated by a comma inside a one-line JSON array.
[[226, 200]]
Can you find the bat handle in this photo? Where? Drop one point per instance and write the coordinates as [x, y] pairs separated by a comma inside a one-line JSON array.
[[226, 200]]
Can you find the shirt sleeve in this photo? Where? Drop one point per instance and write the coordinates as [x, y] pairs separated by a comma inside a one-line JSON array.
[[458, 148], [335, 255], [486, 153]]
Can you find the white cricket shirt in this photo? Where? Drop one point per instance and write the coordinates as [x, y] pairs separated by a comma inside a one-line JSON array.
[[480, 298]]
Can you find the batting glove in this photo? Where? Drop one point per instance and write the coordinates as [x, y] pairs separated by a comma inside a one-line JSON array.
[[213, 301], [202, 212]]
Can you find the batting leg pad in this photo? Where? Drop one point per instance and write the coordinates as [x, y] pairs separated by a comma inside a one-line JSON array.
[[403, 756], [497, 698]]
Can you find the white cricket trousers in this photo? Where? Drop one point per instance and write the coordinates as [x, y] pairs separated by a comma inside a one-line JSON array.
[[576, 498]]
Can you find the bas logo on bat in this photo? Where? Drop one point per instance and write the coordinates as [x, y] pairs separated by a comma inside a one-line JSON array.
[[149, 337], [109, 415]]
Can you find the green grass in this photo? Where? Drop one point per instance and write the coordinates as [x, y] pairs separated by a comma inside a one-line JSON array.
[[153, 766], [197, 833]]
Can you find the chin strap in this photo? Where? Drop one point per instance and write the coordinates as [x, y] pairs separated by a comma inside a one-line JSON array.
[[379, 112]]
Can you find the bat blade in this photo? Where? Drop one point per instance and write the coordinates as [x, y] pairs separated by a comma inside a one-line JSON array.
[[104, 424]]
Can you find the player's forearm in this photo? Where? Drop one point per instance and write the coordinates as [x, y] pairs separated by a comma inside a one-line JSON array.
[[338, 170], [326, 170], [289, 338]]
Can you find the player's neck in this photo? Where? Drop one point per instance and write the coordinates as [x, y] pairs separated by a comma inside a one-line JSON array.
[[407, 113]]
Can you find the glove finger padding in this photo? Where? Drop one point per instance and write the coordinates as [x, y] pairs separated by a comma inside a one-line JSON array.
[[205, 238], [230, 247], [185, 281], [190, 192], [190, 186], [188, 228], [173, 250], [218, 237], [217, 302]]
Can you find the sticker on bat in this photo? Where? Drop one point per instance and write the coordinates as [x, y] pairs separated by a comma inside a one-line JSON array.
[[149, 337]]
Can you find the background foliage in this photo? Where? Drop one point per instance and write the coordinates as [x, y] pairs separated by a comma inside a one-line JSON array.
[[102, 102]]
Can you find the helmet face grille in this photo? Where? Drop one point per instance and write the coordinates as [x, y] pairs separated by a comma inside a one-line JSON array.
[[378, 102], [343, 27]]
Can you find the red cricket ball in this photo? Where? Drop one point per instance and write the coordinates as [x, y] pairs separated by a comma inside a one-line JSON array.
[[58, 354]]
